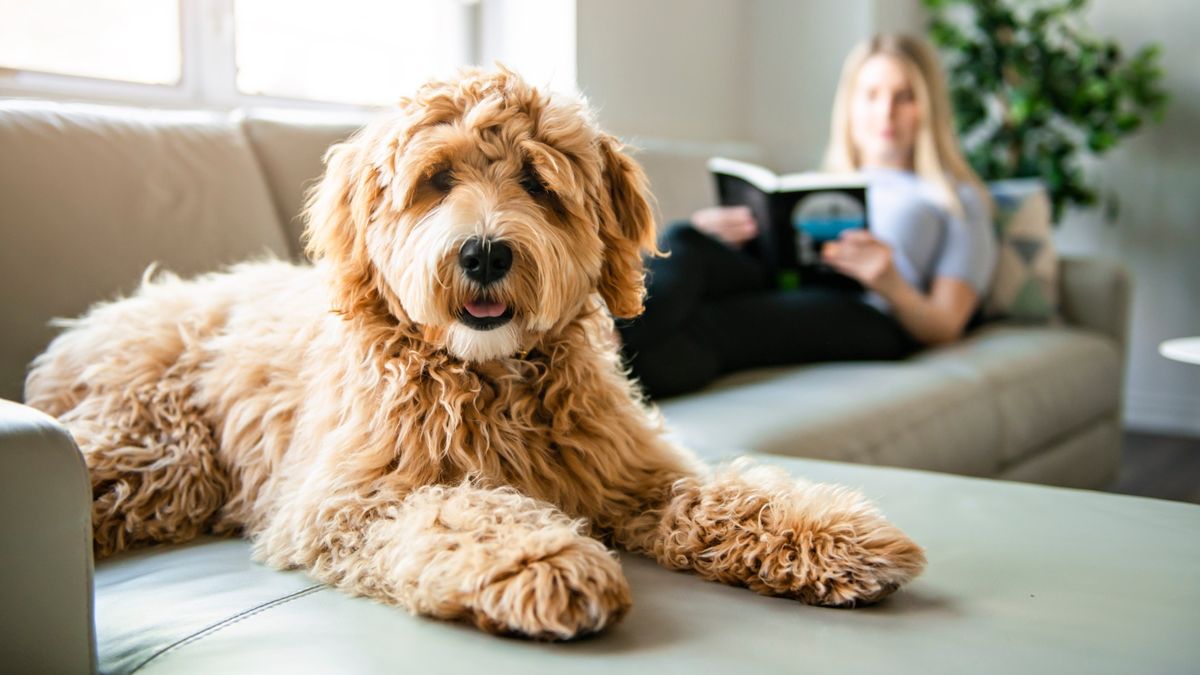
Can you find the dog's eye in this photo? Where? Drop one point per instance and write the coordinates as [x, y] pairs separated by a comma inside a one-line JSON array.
[[532, 184], [442, 181]]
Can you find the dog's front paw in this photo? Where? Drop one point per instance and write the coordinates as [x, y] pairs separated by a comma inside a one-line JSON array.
[[842, 554], [756, 526], [572, 592], [860, 567]]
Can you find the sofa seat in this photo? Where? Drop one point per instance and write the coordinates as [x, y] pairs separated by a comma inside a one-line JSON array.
[[979, 407], [1021, 578]]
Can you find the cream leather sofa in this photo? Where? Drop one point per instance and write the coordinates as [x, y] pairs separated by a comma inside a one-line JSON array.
[[92, 195], [89, 196]]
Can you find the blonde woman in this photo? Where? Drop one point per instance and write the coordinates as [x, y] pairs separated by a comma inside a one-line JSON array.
[[926, 262]]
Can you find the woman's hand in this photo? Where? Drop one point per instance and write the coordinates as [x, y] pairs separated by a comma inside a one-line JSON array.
[[860, 255], [731, 225], [932, 318]]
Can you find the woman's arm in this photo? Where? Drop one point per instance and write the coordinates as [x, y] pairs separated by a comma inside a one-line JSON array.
[[937, 318], [934, 318]]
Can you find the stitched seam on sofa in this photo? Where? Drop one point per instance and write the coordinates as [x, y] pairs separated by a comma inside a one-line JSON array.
[[244, 614]]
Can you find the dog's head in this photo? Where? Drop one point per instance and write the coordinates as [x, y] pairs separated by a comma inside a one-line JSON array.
[[484, 213]]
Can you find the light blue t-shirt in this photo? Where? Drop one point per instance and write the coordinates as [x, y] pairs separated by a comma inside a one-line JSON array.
[[928, 240]]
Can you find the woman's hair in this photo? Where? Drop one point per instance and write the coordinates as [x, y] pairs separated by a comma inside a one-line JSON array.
[[938, 156]]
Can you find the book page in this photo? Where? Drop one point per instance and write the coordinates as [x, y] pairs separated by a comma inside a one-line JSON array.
[[759, 176], [813, 180]]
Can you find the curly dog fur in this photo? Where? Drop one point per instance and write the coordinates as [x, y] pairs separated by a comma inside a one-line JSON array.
[[352, 420]]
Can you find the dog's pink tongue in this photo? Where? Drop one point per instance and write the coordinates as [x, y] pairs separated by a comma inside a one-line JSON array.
[[484, 309]]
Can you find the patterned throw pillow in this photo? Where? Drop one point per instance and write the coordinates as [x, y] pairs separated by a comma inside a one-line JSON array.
[[1025, 283]]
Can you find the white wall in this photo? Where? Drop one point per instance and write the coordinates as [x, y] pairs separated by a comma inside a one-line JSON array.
[[716, 73], [1156, 175], [533, 37], [665, 69], [796, 54], [710, 74]]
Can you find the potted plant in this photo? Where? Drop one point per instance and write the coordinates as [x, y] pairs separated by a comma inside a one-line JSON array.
[[1033, 91]]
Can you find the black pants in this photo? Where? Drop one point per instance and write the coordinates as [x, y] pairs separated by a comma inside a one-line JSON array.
[[710, 310]]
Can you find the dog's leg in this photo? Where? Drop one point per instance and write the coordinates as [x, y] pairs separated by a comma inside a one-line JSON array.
[[758, 527], [152, 461], [505, 562]]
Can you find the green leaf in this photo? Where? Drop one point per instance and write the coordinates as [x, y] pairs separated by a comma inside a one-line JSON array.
[[1019, 107], [1065, 91], [1098, 90], [1128, 123], [1101, 140]]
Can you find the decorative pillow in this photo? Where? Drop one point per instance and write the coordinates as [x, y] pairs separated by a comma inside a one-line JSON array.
[[1025, 283]]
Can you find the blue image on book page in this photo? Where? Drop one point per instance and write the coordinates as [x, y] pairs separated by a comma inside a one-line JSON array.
[[823, 216]]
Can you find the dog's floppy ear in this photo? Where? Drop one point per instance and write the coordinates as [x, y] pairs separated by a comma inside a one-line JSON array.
[[627, 229], [337, 211]]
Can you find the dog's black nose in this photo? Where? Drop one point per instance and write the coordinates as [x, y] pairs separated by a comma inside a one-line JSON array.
[[485, 260]]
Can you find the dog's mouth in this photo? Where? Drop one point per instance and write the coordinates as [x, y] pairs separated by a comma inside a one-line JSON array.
[[485, 314]]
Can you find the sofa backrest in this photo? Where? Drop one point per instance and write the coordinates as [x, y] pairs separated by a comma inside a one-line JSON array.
[[290, 148], [90, 196]]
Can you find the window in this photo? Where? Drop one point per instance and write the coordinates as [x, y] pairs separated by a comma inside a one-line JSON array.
[[298, 53], [356, 51], [129, 40], [534, 37]]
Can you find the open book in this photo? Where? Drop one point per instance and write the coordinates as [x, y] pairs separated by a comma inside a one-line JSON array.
[[797, 214]]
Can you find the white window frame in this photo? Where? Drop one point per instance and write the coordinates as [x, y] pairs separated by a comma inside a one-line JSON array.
[[208, 77]]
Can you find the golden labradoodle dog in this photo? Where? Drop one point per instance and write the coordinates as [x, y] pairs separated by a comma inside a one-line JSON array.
[[434, 413]]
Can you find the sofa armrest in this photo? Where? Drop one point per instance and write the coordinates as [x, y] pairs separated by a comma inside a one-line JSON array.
[[1095, 294], [46, 554]]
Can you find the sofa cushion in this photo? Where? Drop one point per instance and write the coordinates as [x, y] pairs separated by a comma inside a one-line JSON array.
[[290, 146], [1025, 282], [1045, 382], [1089, 458], [894, 413], [970, 408], [1021, 578], [92, 195]]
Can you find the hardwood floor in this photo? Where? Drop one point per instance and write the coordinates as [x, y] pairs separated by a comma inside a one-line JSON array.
[[1166, 467]]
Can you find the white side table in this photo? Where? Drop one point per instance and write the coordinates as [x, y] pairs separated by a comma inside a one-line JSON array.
[[1181, 349]]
